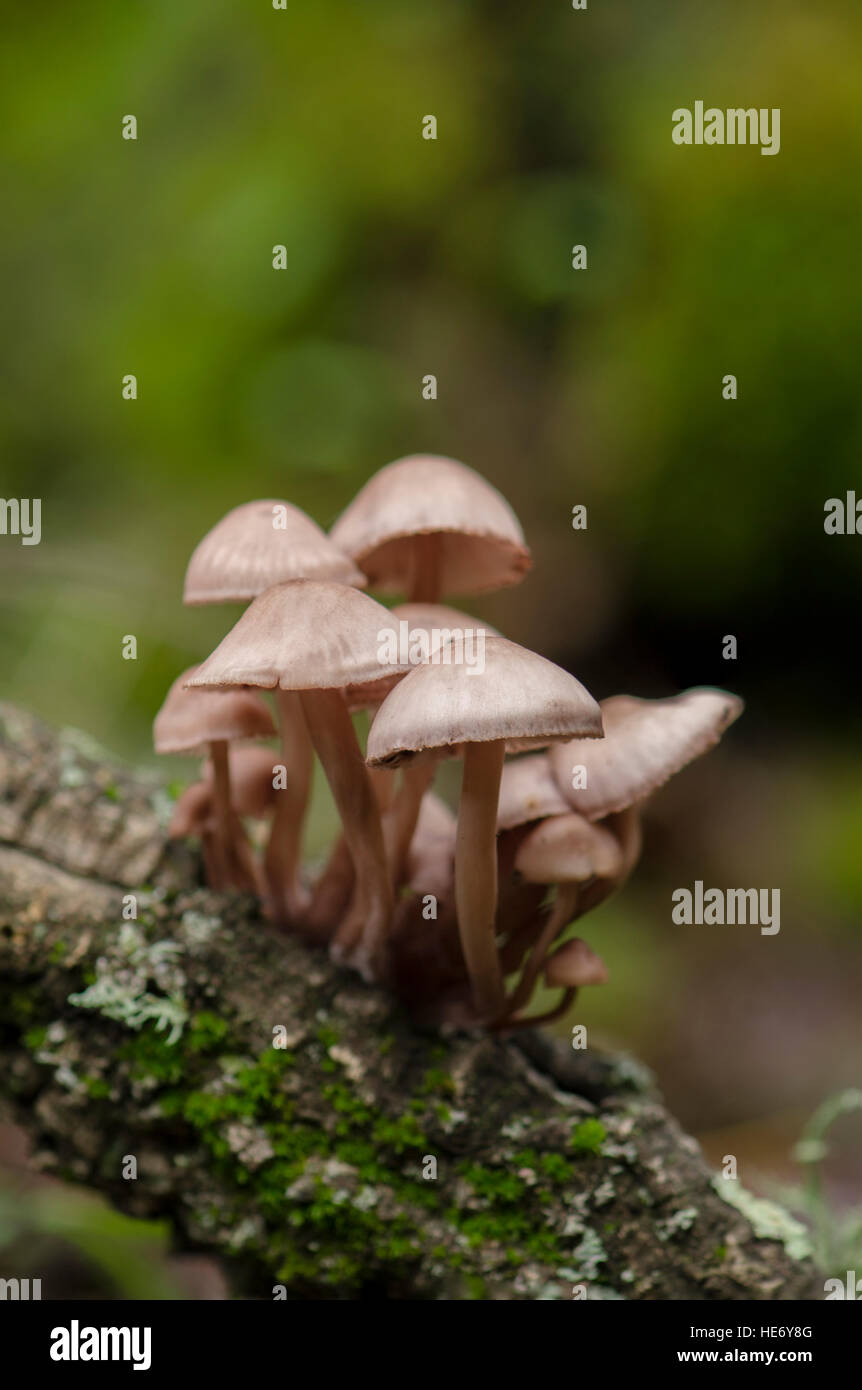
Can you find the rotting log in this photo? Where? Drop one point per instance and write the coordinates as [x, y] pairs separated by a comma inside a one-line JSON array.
[[145, 1045]]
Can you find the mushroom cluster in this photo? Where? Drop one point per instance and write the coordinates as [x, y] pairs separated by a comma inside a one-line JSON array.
[[443, 909]]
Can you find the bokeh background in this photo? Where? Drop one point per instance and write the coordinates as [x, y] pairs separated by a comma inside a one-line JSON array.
[[408, 257]]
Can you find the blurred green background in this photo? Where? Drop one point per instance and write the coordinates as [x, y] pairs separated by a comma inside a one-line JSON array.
[[602, 387]]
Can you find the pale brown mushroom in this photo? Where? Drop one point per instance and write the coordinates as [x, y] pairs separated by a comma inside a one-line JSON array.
[[646, 742], [194, 722], [518, 701], [427, 526], [315, 639], [528, 792], [568, 852], [420, 632], [260, 544], [254, 546]]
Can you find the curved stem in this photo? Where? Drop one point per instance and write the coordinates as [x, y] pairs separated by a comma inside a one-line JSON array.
[[247, 872], [564, 909], [476, 872], [284, 847], [330, 895], [511, 1024], [362, 934]]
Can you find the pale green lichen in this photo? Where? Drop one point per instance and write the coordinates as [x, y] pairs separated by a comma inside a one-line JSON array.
[[768, 1220], [198, 928], [121, 988], [682, 1220], [589, 1255]]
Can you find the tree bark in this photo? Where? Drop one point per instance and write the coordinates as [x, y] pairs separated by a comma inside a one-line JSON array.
[[146, 1045]]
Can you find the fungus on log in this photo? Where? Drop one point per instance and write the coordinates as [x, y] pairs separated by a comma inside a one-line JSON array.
[[362, 1156]]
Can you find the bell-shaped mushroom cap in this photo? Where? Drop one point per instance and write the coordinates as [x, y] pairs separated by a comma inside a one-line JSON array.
[[432, 850], [302, 635], [528, 791], [568, 849], [645, 743], [190, 719], [516, 696], [260, 544], [575, 964], [251, 779], [481, 542], [439, 625]]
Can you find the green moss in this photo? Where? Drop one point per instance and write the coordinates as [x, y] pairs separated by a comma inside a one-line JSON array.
[[152, 1057], [436, 1082], [34, 1039], [97, 1088], [495, 1184], [206, 1032], [588, 1137], [399, 1134]]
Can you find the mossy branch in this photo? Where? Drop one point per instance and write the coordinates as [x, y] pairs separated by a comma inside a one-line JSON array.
[[311, 1166]]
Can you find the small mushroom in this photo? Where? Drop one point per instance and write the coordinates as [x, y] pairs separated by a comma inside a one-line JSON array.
[[528, 792], [428, 526], [570, 968], [424, 632], [198, 721], [254, 546], [518, 701], [260, 544], [566, 851], [645, 743], [315, 639]]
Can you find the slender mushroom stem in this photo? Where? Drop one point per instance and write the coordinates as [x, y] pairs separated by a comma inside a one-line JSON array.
[[399, 821], [362, 933], [248, 874], [331, 893], [520, 939], [230, 840], [476, 872], [213, 865], [284, 847], [223, 832], [564, 910], [511, 1024], [425, 581]]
